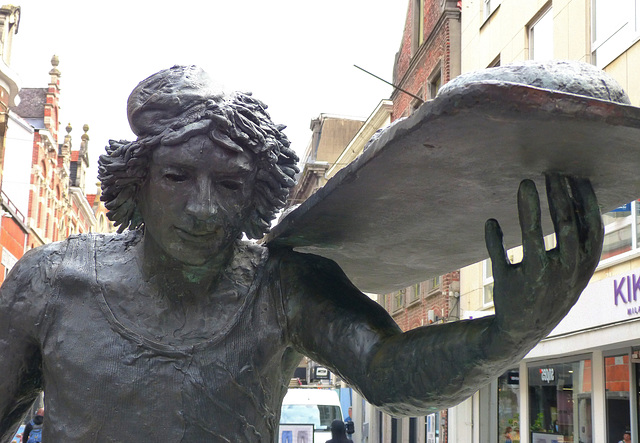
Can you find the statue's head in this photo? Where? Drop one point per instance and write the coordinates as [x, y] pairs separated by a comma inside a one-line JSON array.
[[176, 105]]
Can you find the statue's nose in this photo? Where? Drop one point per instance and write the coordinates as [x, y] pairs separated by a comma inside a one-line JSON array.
[[201, 203]]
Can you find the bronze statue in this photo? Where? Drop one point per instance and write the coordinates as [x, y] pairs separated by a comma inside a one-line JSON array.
[[178, 330]]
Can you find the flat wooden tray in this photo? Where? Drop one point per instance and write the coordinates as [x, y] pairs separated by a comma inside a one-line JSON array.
[[414, 204]]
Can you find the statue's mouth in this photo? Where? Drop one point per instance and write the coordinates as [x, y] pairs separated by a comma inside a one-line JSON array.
[[195, 235]]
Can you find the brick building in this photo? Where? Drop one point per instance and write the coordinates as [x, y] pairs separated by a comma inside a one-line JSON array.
[[429, 56], [43, 187]]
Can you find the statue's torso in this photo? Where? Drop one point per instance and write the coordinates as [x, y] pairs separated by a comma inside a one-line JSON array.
[[112, 375]]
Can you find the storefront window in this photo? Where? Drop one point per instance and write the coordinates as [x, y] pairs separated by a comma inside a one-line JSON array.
[[617, 237], [616, 372], [622, 231], [560, 402], [509, 407]]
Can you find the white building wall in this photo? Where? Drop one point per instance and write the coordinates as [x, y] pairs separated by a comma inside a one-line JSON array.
[[17, 162], [461, 422]]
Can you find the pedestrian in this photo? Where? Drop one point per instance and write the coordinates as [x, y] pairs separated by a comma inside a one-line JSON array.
[[507, 435], [33, 430], [626, 437], [338, 432]]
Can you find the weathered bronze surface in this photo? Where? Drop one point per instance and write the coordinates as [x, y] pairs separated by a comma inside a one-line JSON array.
[[178, 330]]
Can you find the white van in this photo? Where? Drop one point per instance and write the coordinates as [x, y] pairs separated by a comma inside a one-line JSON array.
[[318, 406]]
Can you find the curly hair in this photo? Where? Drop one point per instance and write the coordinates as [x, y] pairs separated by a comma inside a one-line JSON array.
[[239, 122]]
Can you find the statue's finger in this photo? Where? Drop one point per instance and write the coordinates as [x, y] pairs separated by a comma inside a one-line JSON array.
[[589, 219], [494, 239], [563, 216], [530, 224]]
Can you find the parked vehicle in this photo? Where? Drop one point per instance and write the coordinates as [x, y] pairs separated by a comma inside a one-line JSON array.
[[312, 406], [18, 437]]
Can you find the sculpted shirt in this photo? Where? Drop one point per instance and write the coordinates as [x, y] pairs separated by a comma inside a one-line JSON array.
[[106, 379]]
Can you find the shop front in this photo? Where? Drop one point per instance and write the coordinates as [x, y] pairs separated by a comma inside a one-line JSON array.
[[579, 385], [582, 381]]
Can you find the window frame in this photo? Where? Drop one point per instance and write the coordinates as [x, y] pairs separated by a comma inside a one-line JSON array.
[[489, 7], [487, 281], [545, 12], [619, 38]]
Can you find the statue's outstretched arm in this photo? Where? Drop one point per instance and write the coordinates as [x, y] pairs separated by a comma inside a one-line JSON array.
[[434, 367]]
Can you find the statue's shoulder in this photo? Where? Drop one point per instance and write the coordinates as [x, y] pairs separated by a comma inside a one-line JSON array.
[[38, 263], [43, 262], [25, 291], [110, 244], [288, 258]]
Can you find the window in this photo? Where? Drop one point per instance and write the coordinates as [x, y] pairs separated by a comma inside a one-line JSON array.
[[541, 37], [414, 293], [560, 402], [621, 233], [490, 6], [487, 283], [413, 430], [432, 285], [8, 261], [418, 25], [398, 300], [509, 405], [432, 428], [614, 29], [435, 82]]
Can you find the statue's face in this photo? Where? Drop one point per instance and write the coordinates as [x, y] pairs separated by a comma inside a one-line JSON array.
[[194, 199]]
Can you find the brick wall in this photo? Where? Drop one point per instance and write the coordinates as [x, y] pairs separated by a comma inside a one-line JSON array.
[[413, 69], [415, 310]]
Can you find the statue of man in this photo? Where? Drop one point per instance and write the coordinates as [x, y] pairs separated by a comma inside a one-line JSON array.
[[177, 329]]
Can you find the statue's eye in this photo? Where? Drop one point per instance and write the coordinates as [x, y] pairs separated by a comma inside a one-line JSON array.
[[175, 177], [231, 185]]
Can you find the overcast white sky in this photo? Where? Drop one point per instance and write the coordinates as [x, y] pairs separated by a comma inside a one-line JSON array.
[[295, 55]]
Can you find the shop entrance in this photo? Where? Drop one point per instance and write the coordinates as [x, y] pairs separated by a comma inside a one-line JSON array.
[[560, 408]]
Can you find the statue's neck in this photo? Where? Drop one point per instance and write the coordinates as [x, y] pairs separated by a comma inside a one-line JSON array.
[[156, 264]]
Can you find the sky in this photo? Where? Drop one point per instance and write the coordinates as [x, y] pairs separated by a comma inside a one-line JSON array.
[[297, 56]]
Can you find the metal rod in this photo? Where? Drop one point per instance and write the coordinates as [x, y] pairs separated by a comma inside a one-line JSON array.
[[391, 84]]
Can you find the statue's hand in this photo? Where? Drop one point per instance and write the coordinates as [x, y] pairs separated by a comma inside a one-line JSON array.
[[531, 297]]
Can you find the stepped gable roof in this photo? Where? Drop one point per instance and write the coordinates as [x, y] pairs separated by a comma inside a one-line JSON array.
[[32, 101]]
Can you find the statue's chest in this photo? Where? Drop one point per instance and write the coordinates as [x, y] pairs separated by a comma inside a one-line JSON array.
[[172, 315], [96, 340]]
